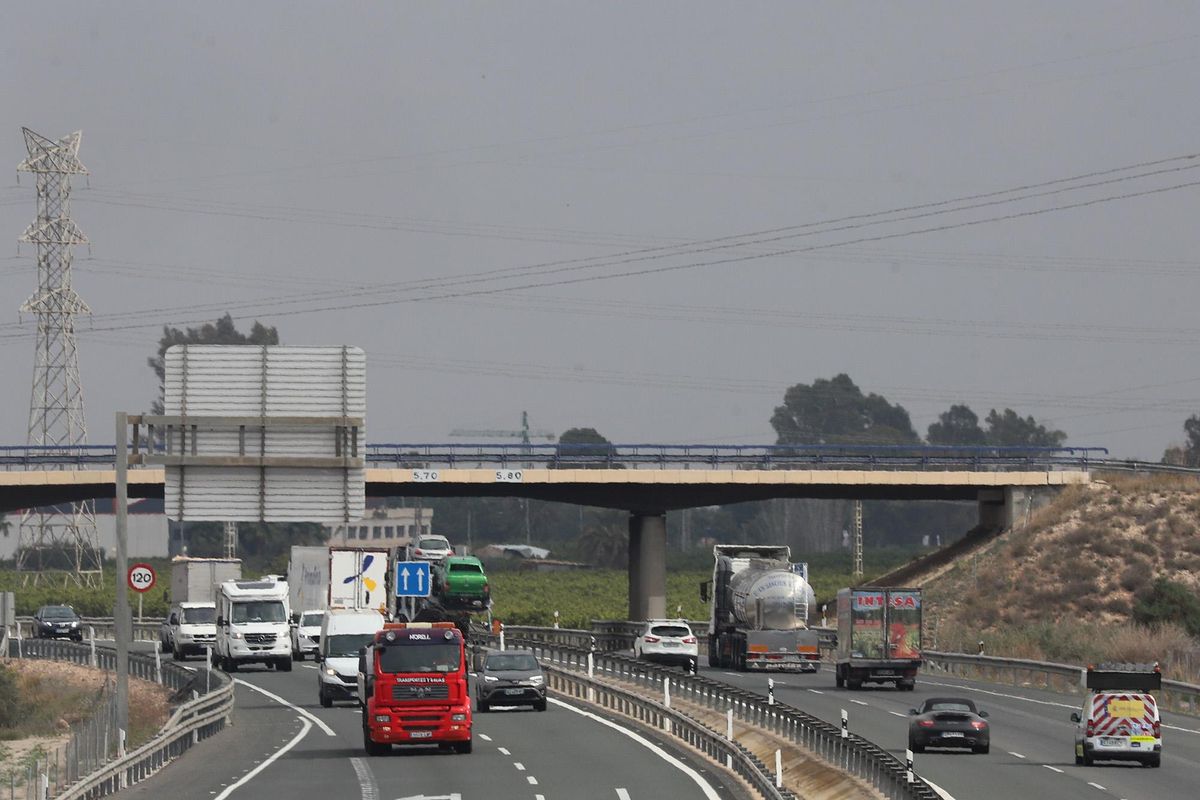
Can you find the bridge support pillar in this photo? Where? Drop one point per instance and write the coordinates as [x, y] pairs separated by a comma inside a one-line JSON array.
[[647, 566], [1012, 506]]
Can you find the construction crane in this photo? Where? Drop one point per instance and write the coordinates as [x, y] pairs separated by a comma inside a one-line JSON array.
[[525, 434]]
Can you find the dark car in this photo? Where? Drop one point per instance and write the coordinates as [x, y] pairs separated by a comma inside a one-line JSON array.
[[57, 622], [948, 722], [510, 678]]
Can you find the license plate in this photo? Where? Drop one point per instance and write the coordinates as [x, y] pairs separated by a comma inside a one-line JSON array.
[[514, 691], [670, 644], [886, 672], [1111, 740], [420, 734], [952, 735]]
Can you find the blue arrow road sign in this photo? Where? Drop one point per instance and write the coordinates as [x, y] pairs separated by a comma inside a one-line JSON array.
[[412, 579]]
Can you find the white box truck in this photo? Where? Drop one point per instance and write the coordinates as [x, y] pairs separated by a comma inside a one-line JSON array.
[[358, 579], [191, 626], [308, 578], [252, 625]]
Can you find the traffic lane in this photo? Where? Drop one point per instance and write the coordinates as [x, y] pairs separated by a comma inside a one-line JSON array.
[[574, 751], [1034, 733], [260, 728], [568, 755]]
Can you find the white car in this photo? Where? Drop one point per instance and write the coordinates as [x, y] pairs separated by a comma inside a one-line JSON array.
[[306, 634], [432, 548], [667, 640], [344, 632]]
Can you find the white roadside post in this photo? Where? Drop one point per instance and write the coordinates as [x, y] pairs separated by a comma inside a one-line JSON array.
[[92, 642], [908, 760], [667, 692], [770, 691], [157, 657], [501, 637], [729, 736], [845, 724], [208, 662], [555, 619], [778, 769]]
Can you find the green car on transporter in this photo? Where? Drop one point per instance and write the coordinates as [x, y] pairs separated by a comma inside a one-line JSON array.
[[459, 582]]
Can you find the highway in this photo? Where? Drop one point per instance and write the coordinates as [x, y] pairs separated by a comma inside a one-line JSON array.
[[1032, 738], [283, 744]]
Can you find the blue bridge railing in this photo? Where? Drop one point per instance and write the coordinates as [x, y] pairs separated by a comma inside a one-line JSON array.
[[646, 456]]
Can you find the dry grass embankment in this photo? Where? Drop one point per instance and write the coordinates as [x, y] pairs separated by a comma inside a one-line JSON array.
[[1064, 588], [41, 701]]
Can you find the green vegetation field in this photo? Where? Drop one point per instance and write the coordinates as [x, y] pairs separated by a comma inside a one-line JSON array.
[[56, 588], [531, 598]]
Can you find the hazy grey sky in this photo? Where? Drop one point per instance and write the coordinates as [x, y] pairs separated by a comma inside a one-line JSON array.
[[337, 155]]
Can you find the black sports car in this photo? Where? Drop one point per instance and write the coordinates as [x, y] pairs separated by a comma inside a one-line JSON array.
[[948, 722]]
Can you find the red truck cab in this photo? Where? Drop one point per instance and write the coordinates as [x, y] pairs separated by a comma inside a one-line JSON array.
[[413, 687]]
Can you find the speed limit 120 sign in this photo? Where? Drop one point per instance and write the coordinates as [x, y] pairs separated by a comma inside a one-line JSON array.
[[141, 577]]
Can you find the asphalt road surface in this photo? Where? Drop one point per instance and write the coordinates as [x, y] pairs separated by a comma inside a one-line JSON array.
[[283, 744], [1032, 749]]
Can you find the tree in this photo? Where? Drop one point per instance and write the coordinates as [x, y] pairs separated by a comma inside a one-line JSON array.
[[586, 444], [223, 331], [836, 411], [1191, 449], [1168, 601], [605, 545], [1011, 430], [959, 427]]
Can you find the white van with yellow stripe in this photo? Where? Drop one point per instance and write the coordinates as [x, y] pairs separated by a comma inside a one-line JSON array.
[[1120, 720]]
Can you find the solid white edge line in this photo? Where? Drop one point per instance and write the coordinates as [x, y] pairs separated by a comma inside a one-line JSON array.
[[1056, 769], [897, 714], [942, 793], [860, 702], [709, 791], [1018, 755], [622, 794], [306, 714], [306, 727]]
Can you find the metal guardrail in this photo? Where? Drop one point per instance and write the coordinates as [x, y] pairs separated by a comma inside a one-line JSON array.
[[1173, 696], [635, 456], [851, 753], [102, 627], [91, 765]]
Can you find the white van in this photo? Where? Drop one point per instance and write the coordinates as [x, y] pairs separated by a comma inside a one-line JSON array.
[[252, 625], [343, 633], [1119, 720], [192, 627]]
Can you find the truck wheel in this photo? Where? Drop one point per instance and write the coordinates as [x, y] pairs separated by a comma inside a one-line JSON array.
[[854, 684], [906, 686], [326, 700], [228, 665], [373, 748], [464, 747], [284, 665], [297, 655]]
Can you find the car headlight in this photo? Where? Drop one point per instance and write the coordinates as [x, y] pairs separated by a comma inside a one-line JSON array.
[[490, 678], [537, 680], [75, 624], [235, 634], [330, 671], [382, 718], [458, 717]]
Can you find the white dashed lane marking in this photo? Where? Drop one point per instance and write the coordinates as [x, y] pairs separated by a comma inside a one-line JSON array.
[[520, 767], [1018, 755], [1097, 786], [859, 702], [532, 781], [485, 737], [897, 714], [504, 751], [1056, 769]]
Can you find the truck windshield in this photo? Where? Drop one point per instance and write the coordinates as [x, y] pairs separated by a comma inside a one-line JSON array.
[[259, 611], [466, 568], [420, 658], [311, 619], [197, 616], [347, 645]]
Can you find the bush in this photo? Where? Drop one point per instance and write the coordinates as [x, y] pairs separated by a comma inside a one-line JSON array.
[[1169, 601]]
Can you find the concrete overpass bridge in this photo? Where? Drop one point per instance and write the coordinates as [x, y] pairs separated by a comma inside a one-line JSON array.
[[644, 480]]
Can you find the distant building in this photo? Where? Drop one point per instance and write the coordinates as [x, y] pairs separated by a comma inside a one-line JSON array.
[[383, 527]]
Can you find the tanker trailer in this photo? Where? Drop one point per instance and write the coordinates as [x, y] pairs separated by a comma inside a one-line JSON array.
[[758, 610]]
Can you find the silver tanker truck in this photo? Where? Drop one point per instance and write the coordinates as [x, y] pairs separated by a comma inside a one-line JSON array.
[[758, 610]]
